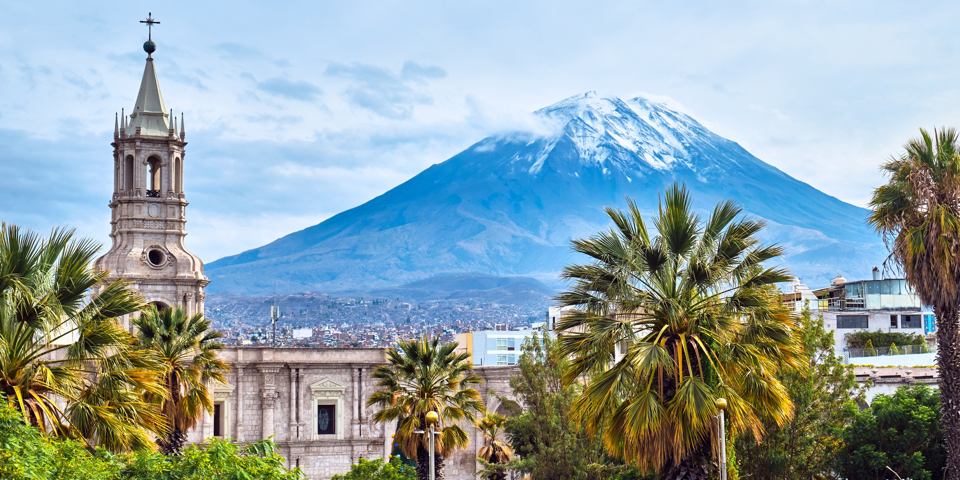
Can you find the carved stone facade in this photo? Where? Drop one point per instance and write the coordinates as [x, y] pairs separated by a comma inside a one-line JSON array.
[[148, 208], [313, 402]]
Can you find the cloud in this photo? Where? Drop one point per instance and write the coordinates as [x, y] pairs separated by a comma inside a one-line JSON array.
[[383, 92], [415, 71], [293, 90]]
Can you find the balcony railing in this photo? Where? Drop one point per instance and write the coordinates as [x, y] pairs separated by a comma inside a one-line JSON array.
[[849, 353]]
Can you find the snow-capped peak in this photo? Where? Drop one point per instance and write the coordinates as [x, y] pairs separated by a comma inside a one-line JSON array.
[[626, 136]]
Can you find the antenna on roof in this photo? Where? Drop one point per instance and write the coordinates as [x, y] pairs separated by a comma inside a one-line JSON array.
[[274, 314]]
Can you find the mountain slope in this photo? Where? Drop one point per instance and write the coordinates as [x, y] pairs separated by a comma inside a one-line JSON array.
[[510, 204]]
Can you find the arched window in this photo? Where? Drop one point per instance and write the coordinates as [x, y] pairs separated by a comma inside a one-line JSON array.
[[177, 176], [128, 173], [153, 177]]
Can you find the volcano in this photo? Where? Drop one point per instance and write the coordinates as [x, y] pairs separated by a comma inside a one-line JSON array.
[[510, 204]]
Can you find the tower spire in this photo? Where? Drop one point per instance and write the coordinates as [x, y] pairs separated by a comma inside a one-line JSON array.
[[116, 125], [149, 46], [149, 113]]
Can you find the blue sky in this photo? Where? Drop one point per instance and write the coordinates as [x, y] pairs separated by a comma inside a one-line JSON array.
[[296, 111]]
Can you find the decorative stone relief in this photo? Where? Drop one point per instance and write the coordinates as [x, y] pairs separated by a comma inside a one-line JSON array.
[[153, 210]]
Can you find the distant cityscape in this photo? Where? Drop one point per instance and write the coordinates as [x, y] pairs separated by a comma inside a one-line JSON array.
[[319, 320]]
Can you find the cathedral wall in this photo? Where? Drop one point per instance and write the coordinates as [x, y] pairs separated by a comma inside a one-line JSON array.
[[280, 392]]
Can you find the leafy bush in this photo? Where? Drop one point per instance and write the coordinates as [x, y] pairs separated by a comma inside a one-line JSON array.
[[375, 469], [220, 460], [25, 453], [860, 339], [901, 431]]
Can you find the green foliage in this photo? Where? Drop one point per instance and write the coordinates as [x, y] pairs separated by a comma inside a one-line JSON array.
[[824, 397], [869, 350], [25, 453], [375, 469], [901, 432], [668, 319], [860, 339], [893, 349], [547, 443], [91, 387], [187, 349], [423, 375], [220, 460]]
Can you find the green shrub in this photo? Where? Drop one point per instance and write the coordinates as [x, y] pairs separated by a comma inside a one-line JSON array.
[[893, 349], [901, 431], [860, 339], [869, 350], [375, 469], [25, 453]]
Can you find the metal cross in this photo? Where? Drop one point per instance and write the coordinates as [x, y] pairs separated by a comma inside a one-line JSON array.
[[150, 23]]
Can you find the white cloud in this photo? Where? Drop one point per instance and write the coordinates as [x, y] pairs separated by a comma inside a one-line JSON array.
[[355, 97]]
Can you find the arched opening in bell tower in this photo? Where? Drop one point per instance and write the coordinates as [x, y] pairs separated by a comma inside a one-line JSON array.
[[177, 176], [128, 173], [153, 177], [160, 306]]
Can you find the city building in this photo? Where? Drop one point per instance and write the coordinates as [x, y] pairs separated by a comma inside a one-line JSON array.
[[885, 304], [493, 347]]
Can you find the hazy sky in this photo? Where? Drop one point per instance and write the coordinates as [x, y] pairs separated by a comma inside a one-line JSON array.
[[296, 111]]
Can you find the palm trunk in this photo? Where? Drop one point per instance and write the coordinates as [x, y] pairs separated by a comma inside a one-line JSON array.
[[698, 465], [948, 361], [439, 467], [173, 442], [423, 464]]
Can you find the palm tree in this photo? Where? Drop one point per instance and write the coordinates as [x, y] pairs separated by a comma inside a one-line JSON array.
[[665, 325], [60, 345], [187, 348], [494, 454], [422, 376], [918, 214]]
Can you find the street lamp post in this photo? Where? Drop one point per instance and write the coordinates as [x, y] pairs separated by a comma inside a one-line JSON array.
[[432, 418], [722, 405]]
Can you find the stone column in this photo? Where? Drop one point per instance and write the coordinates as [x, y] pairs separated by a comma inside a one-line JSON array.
[[294, 401], [239, 429], [206, 427], [268, 398]]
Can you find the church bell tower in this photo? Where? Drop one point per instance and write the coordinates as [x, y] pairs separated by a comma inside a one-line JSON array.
[[149, 206]]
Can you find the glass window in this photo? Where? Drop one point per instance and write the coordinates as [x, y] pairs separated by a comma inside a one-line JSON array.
[[886, 287], [893, 321], [501, 360], [873, 288], [511, 344], [501, 344], [512, 359], [326, 419], [910, 321], [852, 321]]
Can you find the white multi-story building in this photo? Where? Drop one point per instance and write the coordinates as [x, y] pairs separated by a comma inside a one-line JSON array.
[[495, 347], [884, 304]]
